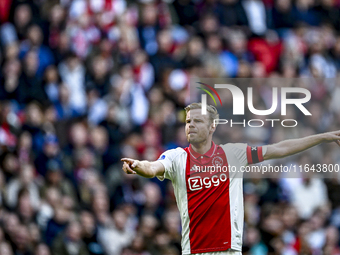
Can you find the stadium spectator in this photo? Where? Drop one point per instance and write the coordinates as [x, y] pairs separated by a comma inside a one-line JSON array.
[[70, 241]]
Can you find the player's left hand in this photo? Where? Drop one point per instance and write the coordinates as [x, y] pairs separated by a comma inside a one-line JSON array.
[[332, 137]]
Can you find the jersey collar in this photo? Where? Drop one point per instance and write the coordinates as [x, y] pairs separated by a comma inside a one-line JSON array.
[[209, 153]]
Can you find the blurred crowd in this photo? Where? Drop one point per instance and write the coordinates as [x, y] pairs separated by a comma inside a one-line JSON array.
[[86, 82]]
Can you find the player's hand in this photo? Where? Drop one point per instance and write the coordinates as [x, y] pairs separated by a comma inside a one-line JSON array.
[[129, 165], [333, 136]]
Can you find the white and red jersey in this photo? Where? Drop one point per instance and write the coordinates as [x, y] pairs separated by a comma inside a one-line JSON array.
[[210, 203]]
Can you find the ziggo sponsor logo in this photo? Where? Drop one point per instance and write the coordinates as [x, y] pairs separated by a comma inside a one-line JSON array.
[[197, 182]]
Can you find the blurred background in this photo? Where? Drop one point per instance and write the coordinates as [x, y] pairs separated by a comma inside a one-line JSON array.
[[86, 82]]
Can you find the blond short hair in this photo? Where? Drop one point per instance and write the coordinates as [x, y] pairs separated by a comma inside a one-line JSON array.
[[213, 113]]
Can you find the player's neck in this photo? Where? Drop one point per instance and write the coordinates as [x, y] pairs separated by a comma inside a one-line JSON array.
[[203, 147]]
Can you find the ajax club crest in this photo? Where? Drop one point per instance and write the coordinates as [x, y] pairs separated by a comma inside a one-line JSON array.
[[217, 161]]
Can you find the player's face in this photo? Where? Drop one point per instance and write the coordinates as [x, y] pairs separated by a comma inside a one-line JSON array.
[[198, 127]]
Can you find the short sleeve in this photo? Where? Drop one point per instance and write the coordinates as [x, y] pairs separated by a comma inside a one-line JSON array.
[[240, 152], [167, 158]]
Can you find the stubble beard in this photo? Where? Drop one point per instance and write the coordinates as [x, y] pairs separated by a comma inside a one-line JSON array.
[[196, 140]]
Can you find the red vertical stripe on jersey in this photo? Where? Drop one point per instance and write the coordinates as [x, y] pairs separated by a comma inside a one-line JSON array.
[[249, 158], [208, 207], [259, 153]]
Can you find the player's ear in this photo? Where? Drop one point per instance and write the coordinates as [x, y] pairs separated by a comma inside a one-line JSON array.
[[212, 127]]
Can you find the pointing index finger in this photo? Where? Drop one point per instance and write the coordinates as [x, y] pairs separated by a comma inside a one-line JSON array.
[[127, 160]]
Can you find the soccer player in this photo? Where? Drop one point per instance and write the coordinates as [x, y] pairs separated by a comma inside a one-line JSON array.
[[211, 203]]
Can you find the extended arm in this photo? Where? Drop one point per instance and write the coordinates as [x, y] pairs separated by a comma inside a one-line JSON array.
[[292, 146], [143, 168]]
